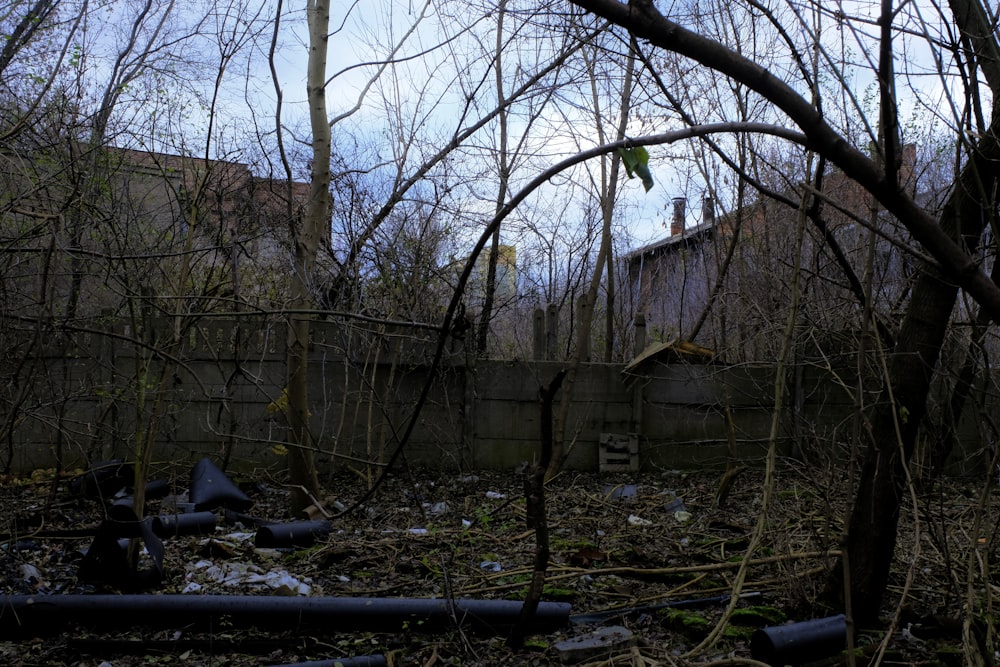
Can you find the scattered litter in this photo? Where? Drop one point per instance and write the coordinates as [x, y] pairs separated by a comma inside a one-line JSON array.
[[282, 583], [245, 574], [623, 492], [417, 531], [495, 495], [675, 505], [600, 643], [635, 520], [490, 566], [682, 516], [23, 545], [31, 574], [466, 523], [436, 508], [240, 537]]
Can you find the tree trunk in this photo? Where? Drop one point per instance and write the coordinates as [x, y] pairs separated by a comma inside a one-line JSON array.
[[871, 537], [301, 470], [504, 169], [609, 189]]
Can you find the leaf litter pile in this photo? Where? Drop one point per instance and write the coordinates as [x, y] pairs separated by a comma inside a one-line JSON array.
[[654, 555]]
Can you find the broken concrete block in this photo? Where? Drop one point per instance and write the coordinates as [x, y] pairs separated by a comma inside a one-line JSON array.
[[602, 642]]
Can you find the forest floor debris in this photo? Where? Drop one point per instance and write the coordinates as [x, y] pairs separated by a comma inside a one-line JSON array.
[[439, 535]]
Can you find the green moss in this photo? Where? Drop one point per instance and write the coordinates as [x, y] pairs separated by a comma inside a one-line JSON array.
[[686, 623], [535, 644], [548, 592], [554, 593], [758, 616], [738, 632]]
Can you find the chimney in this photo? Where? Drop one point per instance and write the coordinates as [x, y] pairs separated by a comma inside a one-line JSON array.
[[677, 223], [708, 210]]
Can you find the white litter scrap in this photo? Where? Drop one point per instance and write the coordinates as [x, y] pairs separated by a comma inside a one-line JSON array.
[[436, 508], [635, 520], [31, 574], [245, 574], [240, 537]]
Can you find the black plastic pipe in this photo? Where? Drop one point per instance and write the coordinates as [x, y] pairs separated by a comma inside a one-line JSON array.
[[41, 614], [103, 480], [295, 534], [177, 525], [796, 643], [211, 489]]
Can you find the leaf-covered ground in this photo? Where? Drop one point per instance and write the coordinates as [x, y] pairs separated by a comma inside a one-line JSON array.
[[619, 542]]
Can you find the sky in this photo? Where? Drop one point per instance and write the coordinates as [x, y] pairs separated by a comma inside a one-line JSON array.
[[425, 89]]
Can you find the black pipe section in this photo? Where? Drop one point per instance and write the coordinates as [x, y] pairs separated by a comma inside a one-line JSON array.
[[232, 516], [296, 534], [33, 615], [360, 661], [120, 519], [178, 525], [103, 480], [211, 489], [107, 559], [797, 643], [157, 489]]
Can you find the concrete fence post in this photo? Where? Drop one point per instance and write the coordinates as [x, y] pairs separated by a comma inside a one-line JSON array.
[[583, 338], [638, 386], [639, 342], [538, 335], [551, 331]]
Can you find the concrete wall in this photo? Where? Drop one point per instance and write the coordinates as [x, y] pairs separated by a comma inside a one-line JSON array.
[[85, 406]]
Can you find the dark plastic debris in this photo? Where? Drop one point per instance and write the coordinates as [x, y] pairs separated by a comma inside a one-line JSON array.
[[796, 643], [121, 520], [157, 489], [107, 560], [178, 525], [22, 615], [211, 489], [103, 480], [232, 516], [299, 534]]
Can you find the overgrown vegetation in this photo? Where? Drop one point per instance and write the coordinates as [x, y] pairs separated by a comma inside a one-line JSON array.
[[167, 205]]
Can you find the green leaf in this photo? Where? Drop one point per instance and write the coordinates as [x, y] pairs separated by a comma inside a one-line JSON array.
[[636, 163]]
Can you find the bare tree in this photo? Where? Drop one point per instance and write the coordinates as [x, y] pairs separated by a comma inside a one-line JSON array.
[[872, 533]]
